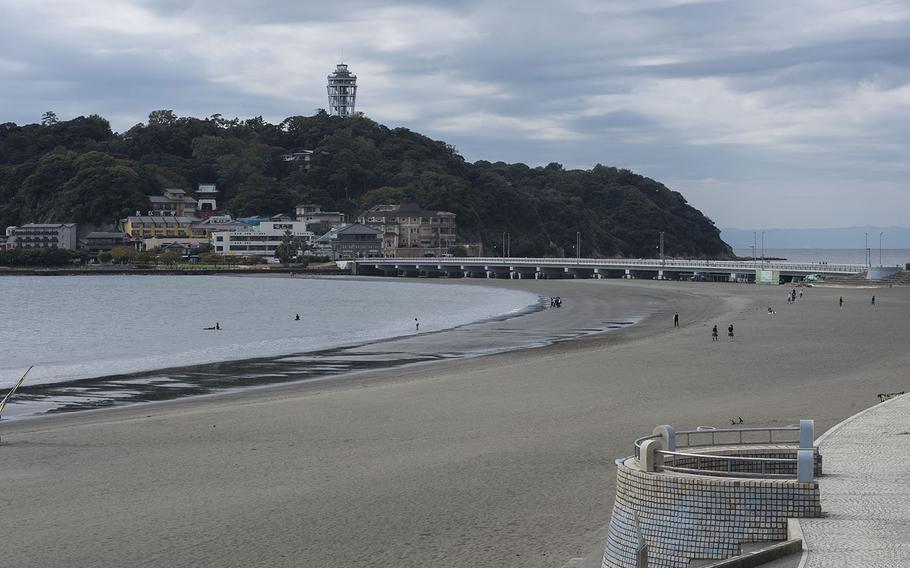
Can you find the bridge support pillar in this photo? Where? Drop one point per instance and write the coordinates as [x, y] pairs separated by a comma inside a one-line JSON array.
[[732, 277], [660, 275], [628, 274]]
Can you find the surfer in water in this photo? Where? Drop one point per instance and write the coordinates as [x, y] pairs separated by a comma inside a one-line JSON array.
[[297, 318], [216, 327]]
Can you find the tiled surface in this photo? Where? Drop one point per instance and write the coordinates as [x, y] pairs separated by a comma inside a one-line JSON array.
[[866, 492], [685, 517]]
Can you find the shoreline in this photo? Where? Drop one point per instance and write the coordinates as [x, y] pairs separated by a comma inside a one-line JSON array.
[[501, 460], [155, 386]]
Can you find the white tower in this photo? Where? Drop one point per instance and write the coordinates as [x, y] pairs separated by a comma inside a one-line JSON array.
[[206, 200], [342, 90]]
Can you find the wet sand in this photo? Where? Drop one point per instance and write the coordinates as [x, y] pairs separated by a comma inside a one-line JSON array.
[[535, 325], [503, 460]]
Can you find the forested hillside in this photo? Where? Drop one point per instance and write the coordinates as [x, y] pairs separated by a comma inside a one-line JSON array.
[[81, 171]]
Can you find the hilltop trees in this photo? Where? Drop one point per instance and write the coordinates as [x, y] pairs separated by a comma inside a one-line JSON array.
[[79, 170]]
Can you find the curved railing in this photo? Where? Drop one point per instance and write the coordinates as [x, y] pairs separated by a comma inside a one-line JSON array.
[[720, 464]]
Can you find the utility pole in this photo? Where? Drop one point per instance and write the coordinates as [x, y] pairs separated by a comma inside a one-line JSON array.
[[509, 245], [503, 244], [577, 245], [763, 247], [754, 245]]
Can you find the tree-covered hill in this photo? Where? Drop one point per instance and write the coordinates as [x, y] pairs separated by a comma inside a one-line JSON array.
[[81, 171]]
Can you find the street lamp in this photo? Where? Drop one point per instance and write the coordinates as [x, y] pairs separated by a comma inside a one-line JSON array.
[[763, 247], [661, 247], [868, 260], [880, 235]]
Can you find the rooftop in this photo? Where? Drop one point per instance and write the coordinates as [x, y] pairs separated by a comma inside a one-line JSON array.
[[161, 219]]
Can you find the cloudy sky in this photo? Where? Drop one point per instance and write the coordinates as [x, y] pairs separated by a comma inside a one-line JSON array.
[[764, 113]]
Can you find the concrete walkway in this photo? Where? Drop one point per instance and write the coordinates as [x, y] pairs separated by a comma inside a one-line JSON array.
[[865, 491]]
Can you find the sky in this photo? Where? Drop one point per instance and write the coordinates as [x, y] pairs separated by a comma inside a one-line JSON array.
[[764, 113]]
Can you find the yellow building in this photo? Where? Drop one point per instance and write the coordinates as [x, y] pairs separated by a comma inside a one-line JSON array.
[[140, 227]]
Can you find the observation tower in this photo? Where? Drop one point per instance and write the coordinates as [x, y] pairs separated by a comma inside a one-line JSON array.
[[342, 89]]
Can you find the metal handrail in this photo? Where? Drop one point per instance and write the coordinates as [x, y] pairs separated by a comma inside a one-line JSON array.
[[727, 459], [621, 262], [714, 431], [717, 473]]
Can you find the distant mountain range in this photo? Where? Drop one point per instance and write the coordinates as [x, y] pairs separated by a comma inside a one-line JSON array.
[[837, 238]]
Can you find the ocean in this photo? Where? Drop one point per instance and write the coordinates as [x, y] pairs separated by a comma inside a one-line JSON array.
[[889, 257], [78, 327]]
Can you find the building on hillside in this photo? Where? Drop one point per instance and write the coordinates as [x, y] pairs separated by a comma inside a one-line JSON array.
[[187, 250], [140, 227], [200, 232], [204, 229], [350, 240], [206, 200], [162, 244], [300, 157], [254, 220], [409, 231], [42, 235], [260, 241], [342, 90], [100, 241], [317, 220], [174, 202]]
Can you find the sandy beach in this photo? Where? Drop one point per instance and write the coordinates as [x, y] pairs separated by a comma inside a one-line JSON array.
[[503, 460]]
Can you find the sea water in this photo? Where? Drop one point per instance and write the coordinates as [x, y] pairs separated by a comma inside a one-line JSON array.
[[885, 257], [73, 327]]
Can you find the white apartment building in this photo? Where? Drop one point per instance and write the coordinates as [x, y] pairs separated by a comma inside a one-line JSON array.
[[261, 241], [42, 235]]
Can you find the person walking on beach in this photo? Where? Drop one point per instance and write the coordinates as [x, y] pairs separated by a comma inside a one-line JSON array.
[[676, 319], [730, 332], [416, 325], [714, 333], [873, 300], [840, 301]]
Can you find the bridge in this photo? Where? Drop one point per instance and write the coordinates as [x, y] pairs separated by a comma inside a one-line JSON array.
[[536, 268]]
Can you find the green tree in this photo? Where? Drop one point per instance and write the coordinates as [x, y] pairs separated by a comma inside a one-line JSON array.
[[124, 254], [49, 118], [162, 118], [170, 257], [458, 251], [211, 258], [289, 248]]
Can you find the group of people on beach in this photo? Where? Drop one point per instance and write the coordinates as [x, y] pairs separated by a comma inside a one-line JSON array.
[[714, 333], [555, 302]]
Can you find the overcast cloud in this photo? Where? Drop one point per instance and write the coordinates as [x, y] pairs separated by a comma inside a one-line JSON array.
[[764, 113]]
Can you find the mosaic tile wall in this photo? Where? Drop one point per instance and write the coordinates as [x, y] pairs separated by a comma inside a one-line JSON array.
[[685, 517]]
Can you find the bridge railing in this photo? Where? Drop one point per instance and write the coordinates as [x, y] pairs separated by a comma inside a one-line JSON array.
[[623, 263]]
